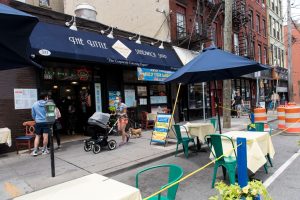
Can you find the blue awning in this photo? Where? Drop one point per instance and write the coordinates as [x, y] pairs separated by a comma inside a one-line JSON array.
[[16, 27], [61, 42]]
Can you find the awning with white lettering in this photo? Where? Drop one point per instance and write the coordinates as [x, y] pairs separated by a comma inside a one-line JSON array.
[[61, 42]]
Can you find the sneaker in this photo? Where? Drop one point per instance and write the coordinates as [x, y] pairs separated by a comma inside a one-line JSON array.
[[34, 153], [45, 152], [58, 147]]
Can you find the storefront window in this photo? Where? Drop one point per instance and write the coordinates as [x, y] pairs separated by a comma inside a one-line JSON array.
[[158, 94], [195, 96], [129, 76]]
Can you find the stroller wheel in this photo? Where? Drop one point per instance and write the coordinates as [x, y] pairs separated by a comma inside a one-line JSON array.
[[112, 144], [97, 148], [88, 146]]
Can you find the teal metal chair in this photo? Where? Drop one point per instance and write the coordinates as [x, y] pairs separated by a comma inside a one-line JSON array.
[[213, 121], [183, 140], [227, 163], [260, 127], [175, 174]]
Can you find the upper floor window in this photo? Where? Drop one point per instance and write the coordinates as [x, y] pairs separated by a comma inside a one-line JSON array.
[[271, 24], [265, 55], [214, 33], [251, 19], [280, 9], [258, 23], [180, 22], [44, 3], [274, 28], [259, 53], [272, 5], [264, 27]]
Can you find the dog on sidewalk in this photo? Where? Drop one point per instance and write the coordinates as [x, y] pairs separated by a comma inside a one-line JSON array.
[[135, 133]]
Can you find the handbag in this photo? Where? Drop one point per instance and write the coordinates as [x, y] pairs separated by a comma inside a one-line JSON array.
[[57, 125]]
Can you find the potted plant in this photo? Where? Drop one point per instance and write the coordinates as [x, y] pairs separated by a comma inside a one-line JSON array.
[[255, 190]]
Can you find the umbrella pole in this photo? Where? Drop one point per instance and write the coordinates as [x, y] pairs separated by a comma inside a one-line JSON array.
[[175, 104], [218, 110], [174, 108]]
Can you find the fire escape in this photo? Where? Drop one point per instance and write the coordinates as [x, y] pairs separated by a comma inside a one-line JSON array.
[[242, 26], [208, 11]]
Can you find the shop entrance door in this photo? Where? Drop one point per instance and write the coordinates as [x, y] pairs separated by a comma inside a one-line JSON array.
[[74, 101]]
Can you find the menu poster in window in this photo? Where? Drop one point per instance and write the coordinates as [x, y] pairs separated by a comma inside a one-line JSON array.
[[158, 99], [142, 91], [143, 101], [130, 97], [24, 98], [161, 128], [98, 97], [112, 96]]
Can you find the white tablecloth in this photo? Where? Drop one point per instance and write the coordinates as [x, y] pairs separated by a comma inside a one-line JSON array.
[[5, 136], [93, 186], [200, 130], [259, 144]]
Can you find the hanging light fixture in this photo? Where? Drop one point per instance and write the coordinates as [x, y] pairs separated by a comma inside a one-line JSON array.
[[72, 24], [138, 41], [161, 45], [111, 34]]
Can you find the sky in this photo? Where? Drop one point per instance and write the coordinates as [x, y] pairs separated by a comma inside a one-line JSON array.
[[295, 9]]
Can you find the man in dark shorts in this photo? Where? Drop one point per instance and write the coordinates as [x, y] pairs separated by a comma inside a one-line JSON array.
[[38, 113]]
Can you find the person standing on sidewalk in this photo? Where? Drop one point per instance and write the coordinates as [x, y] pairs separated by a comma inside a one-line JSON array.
[[38, 112], [123, 120], [239, 103]]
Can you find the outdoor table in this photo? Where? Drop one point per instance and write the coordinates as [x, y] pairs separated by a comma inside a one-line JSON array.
[[93, 186], [5, 136], [200, 130], [259, 144]]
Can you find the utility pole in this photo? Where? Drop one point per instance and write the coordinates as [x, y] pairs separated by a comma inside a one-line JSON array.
[[227, 47], [290, 68]]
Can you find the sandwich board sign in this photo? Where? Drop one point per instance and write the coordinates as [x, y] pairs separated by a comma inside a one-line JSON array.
[[161, 128]]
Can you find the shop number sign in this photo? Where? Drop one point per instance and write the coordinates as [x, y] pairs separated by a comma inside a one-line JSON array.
[[161, 128]]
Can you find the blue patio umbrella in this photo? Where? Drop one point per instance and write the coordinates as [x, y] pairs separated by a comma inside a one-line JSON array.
[[215, 64], [16, 27]]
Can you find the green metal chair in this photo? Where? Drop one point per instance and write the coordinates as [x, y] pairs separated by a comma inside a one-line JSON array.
[[175, 173], [183, 140], [213, 121], [260, 127], [227, 163]]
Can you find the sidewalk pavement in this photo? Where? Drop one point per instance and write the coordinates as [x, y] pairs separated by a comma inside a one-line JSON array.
[[21, 174]]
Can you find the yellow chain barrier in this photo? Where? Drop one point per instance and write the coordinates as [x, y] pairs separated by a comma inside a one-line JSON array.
[[191, 174], [213, 161]]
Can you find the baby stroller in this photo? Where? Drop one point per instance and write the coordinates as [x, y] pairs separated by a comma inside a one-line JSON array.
[[99, 129]]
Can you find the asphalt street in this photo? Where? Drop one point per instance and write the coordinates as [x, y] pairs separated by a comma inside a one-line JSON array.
[[286, 186]]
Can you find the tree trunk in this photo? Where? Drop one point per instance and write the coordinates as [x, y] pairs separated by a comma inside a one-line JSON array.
[[227, 47]]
